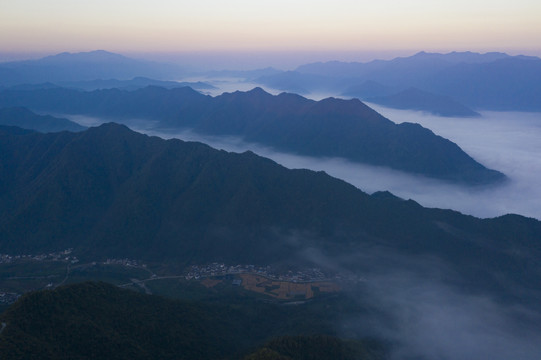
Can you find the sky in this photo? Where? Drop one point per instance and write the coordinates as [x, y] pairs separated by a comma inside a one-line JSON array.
[[339, 26]]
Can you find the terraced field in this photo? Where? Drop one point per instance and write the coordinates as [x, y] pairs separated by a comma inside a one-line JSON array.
[[286, 290]]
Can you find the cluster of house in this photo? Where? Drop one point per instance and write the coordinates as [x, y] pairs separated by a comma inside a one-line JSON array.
[[64, 255], [218, 269], [124, 262]]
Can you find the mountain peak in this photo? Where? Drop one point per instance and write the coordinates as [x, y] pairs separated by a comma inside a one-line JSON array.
[[291, 123], [113, 126], [257, 91], [92, 56]]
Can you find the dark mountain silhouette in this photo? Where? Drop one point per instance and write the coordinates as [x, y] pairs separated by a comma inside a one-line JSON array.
[[109, 192], [97, 320], [330, 127], [83, 66], [26, 119], [491, 81], [416, 99]]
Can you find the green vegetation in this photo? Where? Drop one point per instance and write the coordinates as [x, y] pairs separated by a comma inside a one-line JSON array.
[[98, 320], [318, 347]]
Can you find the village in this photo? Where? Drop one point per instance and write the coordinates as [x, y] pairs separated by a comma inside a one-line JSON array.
[[219, 269], [303, 284], [64, 255], [269, 280]]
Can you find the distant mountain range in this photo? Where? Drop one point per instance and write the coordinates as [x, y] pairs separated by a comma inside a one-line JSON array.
[[491, 81], [109, 192], [133, 84], [85, 66], [246, 74], [288, 122]]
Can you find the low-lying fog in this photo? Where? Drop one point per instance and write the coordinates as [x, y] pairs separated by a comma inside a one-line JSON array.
[[411, 302], [428, 319], [504, 141], [508, 142]]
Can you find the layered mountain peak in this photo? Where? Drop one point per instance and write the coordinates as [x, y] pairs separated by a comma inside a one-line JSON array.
[[330, 127]]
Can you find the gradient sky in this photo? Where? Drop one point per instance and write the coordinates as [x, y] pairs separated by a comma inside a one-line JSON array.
[[278, 25]]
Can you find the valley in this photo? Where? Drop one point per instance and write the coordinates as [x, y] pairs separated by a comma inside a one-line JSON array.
[[335, 229], [25, 273]]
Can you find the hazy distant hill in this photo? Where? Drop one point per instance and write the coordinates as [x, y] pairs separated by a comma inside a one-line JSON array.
[[40, 86], [398, 74], [408, 67], [24, 118], [506, 84], [109, 192], [494, 81], [330, 127], [246, 74], [83, 67], [295, 82], [416, 99], [368, 89], [133, 84]]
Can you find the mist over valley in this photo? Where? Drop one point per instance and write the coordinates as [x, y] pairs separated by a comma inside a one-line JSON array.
[[504, 141]]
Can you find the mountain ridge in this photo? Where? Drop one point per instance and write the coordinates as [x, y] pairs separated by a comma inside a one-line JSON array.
[[331, 127], [24, 118], [83, 66], [491, 81], [109, 192]]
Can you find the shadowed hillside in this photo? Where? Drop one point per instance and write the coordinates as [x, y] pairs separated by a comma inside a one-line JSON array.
[[111, 192]]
